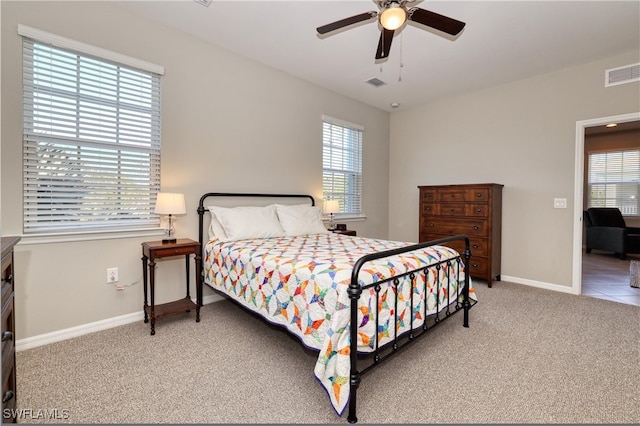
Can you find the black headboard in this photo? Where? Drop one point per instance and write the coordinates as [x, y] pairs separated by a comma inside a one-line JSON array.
[[201, 209]]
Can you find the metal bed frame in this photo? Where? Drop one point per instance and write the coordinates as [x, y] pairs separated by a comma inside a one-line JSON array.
[[354, 291]]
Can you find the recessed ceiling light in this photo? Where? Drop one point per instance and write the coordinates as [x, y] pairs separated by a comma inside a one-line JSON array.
[[612, 125], [395, 105]]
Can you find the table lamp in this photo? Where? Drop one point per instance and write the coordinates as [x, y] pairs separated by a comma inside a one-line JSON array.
[[170, 203], [331, 207]]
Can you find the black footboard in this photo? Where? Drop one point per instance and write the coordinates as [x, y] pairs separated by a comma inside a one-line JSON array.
[[402, 340]]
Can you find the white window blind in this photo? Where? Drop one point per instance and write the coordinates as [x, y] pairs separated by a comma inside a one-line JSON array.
[[614, 180], [342, 164], [91, 141]]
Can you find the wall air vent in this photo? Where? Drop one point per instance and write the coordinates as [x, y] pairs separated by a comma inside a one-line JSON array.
[[622, 75], [375, 82]]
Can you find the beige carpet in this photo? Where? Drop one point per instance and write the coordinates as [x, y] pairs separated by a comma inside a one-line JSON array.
[[530, 356]]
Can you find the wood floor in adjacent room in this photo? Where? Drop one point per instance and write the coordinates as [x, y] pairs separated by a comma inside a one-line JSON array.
[[605, 276]]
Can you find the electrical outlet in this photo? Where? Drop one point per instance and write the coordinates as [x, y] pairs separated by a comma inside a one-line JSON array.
[[112, 275]]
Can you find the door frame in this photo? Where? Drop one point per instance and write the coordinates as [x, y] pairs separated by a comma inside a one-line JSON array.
[[578, 192]]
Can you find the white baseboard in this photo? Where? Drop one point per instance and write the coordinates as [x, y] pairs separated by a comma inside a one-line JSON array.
[[538, 284], [80, 330], [57, 336]]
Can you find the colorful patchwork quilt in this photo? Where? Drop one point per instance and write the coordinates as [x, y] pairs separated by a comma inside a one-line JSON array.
[[301, 283]]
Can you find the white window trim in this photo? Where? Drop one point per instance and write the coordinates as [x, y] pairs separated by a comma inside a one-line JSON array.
[[67, 43], [348, 217], [107, 55], [66, 237], [344, 123]]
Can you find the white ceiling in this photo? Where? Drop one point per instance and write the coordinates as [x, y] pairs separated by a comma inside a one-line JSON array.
[[503, 41]]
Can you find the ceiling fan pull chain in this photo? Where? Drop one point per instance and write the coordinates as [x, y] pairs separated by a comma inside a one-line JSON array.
[[401, 63]]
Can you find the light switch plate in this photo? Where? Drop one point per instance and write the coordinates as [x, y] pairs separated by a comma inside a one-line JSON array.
[[559, 203]]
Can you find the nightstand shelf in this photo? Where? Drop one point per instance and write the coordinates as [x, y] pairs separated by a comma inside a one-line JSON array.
[[153, 250], [169, 308]]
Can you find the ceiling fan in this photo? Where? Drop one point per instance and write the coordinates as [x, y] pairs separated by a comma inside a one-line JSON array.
[[392, 16]]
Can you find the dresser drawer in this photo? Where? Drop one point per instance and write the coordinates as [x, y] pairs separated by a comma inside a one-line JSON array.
[[428, 209], [479, 267], [478, 246], [477, 195], [443, 209], [8, 342], [477, 210], [6, 277], [427, 195], [451, 209], [463, 195], [7, 291], [452, 195], [442, 226]]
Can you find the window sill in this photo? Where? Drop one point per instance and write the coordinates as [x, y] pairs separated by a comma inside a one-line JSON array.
[[27, 239], [346, 218]]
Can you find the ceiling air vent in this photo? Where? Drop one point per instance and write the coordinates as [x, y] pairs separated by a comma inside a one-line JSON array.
[[375, 82], [622, 75]]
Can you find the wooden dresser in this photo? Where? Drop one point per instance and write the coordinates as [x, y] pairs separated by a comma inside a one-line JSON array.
[[8, 332], [474, 210]]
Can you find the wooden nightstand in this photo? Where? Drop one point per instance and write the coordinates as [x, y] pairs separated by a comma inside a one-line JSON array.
[[153, 250], [350, 232]]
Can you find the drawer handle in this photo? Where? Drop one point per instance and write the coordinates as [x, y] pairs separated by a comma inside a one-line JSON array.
[[476, 227], [7, 335], [8, 396], [9, 278], [475, 265], [475, 246], [479, 210], [479, 195], [451, 210], [431, 225]]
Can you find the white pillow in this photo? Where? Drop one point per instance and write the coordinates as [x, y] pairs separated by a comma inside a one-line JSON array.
[[241, 223], [216, 231], [300, 219]]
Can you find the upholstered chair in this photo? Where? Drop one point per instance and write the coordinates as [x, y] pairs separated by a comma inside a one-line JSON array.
[[606, 230]]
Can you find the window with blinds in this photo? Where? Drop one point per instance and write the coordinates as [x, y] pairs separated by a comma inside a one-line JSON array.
[[91, 140], [614, 180], [342, 164]]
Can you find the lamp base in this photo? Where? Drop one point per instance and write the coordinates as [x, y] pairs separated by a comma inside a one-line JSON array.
[[168, 240]]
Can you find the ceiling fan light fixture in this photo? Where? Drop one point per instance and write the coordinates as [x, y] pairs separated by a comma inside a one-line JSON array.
[[393, 17]]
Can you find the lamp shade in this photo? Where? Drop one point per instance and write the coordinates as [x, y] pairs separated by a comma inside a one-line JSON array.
[[332, 206], [393, 17], [170, 203]]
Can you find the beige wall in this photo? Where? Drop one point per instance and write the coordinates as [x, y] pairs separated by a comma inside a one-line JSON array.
[[521, 135], [228, 124]]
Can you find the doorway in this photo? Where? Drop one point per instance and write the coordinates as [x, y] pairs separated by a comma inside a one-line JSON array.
[[581, 127]]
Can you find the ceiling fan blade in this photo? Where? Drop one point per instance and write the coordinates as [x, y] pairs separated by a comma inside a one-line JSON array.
[[384, 44], [346, 22], [435, 20]]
